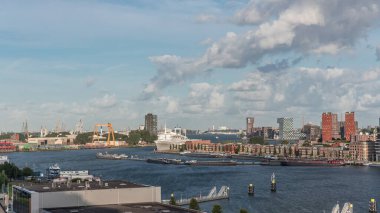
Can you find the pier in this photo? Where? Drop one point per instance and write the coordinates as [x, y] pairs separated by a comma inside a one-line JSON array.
[[212, 195]]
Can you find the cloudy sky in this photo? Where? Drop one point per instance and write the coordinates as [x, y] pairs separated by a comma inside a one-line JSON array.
[[193, 63]]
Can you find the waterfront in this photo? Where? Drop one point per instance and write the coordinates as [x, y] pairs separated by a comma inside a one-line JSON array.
[[300, 189]]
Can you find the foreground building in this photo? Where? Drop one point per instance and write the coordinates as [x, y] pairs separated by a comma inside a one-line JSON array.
[[36, 197]]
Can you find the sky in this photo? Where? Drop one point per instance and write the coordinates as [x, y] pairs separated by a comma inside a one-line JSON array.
[[193, 63]]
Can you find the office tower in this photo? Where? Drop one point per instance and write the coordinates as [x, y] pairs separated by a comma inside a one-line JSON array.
[[286, 131], [349, 125], [151, 123]]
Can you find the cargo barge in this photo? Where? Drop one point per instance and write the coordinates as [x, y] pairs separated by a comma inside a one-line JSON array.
[[211, 163], [164, 161], [205, 155], [302, 162], [312, 163]]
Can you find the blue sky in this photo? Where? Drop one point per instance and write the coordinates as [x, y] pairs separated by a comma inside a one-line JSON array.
[[194, 63]]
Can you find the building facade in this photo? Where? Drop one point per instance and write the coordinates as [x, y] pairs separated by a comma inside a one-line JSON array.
[[286, 130], [250, 124], [377, 150], [39, 196], [326, 126], [330, 126], [313, 132], [349, 125], [362, 151], [151, 123]]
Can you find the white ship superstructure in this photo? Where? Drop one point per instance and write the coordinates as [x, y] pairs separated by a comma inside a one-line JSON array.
[[170, 138]]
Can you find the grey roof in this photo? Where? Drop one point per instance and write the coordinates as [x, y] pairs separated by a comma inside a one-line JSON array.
[[125, 208], [92, 185]]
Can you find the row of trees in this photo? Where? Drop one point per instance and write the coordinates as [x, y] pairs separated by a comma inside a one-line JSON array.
[[134, 137], [9, 171]]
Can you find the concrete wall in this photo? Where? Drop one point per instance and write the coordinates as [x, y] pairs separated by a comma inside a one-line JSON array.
[[99, 197]]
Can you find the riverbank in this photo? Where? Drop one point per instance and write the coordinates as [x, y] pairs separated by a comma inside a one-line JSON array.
[[54, 148]]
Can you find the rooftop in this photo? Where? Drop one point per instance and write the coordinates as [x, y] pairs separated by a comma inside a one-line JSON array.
[[135, 208], [75, 186]]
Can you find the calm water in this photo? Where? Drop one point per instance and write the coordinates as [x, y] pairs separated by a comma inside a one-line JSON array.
[[216, 138], [300, 189]]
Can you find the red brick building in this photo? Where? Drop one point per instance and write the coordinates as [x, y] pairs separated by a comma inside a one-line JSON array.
[[326, 126], [330, 126], [349, 125]]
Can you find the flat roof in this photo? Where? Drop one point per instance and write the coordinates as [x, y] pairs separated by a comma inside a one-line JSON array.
[[74, 186], [125, 208]]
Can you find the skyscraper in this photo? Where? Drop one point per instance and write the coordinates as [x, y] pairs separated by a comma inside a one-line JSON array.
[[330, 126], [250, 124], [286, 131], [151, 123], [349, 125], [326, 126]]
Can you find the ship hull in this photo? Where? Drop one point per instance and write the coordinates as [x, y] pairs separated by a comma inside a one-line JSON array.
[[162, 146], [312, 163]]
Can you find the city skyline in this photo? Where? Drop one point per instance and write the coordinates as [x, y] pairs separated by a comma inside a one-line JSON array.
[[193, 63]]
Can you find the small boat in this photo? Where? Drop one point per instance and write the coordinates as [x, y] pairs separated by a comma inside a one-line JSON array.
[[374, 165], [111, 156], [158, 161]]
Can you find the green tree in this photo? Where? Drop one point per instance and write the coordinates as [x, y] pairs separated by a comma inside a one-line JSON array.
[[243, 211], [3, 179], [216, 209], [27, 172], [11, 170], [257, 140], [194, 204], [285, 142], [172, 200], [83, 138]]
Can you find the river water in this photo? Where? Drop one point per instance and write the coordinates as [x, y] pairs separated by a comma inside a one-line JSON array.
[[299, 189]]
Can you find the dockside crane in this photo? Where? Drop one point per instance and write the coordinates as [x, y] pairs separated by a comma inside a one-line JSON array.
[[96, 135]]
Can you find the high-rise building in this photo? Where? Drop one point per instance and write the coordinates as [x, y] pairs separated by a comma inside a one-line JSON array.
[[151, 123], [377, 150], [286, 131], [250, 124], [330, 126], [313, 132], [326, 126], [335, 126], [349, 125]]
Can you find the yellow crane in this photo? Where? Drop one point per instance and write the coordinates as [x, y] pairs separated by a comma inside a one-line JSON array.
[[109, 135]]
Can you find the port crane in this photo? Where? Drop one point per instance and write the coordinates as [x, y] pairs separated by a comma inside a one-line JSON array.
[[97, 135]]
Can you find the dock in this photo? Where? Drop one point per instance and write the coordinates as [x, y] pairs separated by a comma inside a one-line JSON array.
[[212, 195]]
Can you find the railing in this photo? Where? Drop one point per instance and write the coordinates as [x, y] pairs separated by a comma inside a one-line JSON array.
[[212, 195]]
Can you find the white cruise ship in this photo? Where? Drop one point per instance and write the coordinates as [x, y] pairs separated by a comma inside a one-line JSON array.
[[167, 138]]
